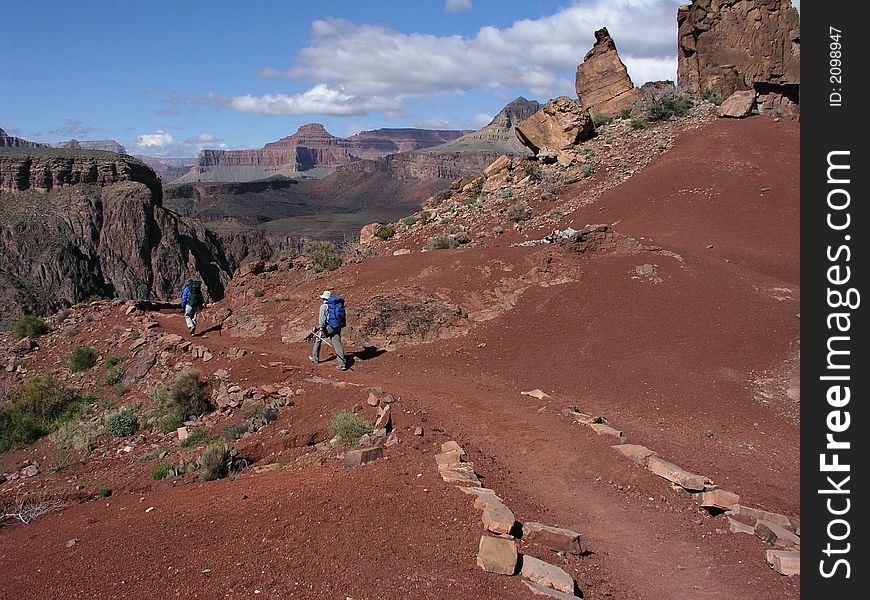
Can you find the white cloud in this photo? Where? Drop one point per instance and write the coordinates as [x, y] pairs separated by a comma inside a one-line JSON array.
[[161, 138], [321, 99], [453, 6], [202, 138], [356, 69]]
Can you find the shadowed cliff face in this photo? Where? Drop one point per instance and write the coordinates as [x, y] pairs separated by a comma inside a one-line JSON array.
[[76, 224]]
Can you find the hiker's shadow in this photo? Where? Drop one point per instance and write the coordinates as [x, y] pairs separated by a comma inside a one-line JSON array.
[[368, 353]]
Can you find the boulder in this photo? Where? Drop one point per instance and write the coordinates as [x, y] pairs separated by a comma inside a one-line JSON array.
[[562, 123], [497, 166], [784, 562], [497, 517], [776, 535], [738, 105], [602, 82], [718, 498], [545, 574], [554, 538], [497, 555], [369, 233], [140, 366], [360, 456]]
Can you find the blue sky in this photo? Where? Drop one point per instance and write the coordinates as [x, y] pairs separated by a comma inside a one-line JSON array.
[[169, 77]]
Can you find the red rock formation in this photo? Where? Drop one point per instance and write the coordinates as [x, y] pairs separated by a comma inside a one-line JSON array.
[[728, 45], [560, 124], [602, 82]]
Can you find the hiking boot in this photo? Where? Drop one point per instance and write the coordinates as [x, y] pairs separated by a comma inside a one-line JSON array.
[[314, 360], [340, 368]]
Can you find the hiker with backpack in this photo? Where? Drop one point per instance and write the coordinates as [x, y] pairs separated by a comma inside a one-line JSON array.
[[191, 303], [331, 319]]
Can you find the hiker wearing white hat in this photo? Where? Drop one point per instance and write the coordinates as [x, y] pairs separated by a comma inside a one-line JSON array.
[[331, 319]]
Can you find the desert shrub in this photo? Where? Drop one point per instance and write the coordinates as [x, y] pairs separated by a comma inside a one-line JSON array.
[[104, 492], [186, 397], [532, 170], [519, 212], [112, 361], [197, 437], [168, 423], [386, 232], [82, 359], [425, 215], [601, 119], [357, 251], [233, 432], [76, 435], [667, 107], [442, 241], [498, 230], [258, 293], [161, 471], [441, 196], [30, 326], [476, 187], [286, 254], [122, 423], [711, 95], [469, 202], [586, 169], [412, 220], [625, 113], [113, 376], [214, 462], [324, 254], [637, 123], [505, 194], [349, 427], [36, 408]]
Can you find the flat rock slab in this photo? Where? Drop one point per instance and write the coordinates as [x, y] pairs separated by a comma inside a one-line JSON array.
[[545, 574], [539, 590], [793, 524], [140, 366], [451, 446], [602, 429], [497, 517], [737, 527], [497, 555], [462, 473], [582, 417], [353, 458], [777, 536], [675, 474], [635, 452], [448, 459], [478, 491], [553, 538], [717, 498], [784, 562]]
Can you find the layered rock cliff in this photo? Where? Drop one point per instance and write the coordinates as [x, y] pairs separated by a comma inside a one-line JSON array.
[[79, 224], [733, 45], [310, 152], [104, 145], [10, 141]]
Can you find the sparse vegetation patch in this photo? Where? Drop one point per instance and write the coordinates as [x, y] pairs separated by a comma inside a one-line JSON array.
[[349, 427], [82, 359], [30, 326]]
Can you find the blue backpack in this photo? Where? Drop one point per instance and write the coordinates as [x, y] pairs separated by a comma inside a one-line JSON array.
[[335, 315]]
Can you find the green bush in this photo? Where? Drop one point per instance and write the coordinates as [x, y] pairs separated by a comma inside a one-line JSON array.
[[349, 427], [82, 359], [441, 197], [667, 107], [442, 241], [324, 254], [186, 396], [586, 169], [425, 215], [636, 123], [519, 212], [161, 471], [532, 170], [113, 376], [258, 293], [469, 202], [76, 435], [30, 326], [36, 408], [105, 492], [197, 437], [601, 119], [122, 423], [214, 462], [233, 432], [386, 232], [112, 361], [625, 113], [412, 220], [711, 95], [505, 193]]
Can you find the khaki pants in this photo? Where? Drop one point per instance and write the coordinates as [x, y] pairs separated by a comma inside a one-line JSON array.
[[334, 337]]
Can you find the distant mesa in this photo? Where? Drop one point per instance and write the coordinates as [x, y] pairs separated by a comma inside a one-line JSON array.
[[727, 46], [104, 145], [311, 152], [9, 141]]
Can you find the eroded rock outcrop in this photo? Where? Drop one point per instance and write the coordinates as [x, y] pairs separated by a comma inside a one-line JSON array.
[[562, 123], [104, 145], [728, 46], [602, 82], [79, 224], [10, 141]]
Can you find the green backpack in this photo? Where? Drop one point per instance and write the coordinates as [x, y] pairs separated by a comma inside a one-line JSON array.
[[194, 298]]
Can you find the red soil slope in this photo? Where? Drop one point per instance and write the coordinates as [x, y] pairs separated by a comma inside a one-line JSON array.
[[688, 349]]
